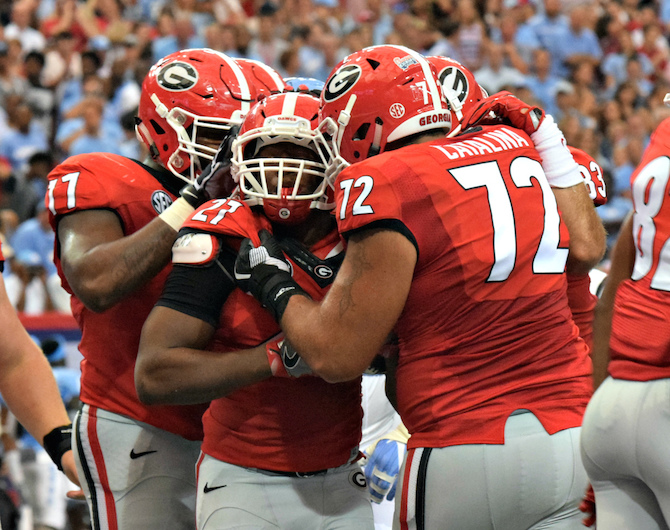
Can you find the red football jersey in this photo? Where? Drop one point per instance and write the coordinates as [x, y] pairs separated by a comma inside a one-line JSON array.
[[282, 424], [110, 340], [640, 339], [582, 303], [486, 328]]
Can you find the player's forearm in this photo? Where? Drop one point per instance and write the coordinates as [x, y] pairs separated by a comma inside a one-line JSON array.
[[26, 380], [107, 273], [339, 337], [185, 376], [623, 258], [587, 234]]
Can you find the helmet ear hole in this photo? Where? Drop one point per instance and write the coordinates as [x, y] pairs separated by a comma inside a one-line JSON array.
[[361, 132], [157, 127]]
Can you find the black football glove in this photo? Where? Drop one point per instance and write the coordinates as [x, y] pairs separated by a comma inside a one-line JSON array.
[[215, 177], [264, 273]]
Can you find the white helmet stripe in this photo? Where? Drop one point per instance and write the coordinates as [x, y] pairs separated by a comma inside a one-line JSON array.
[[245, 91], [434, 89], [289, 104], [279, 82]]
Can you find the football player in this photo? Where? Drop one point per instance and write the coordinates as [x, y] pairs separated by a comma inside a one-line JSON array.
[[278, 451], [30, 390], [624, 435], [457, 246], [115, 221]]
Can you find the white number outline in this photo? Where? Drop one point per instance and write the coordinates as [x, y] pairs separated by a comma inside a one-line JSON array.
[[650, 182], [359, 208], [549, 257], [71, 179], [217, 205]]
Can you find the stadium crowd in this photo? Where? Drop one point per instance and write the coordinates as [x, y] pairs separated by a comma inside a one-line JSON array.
[[71, 74]]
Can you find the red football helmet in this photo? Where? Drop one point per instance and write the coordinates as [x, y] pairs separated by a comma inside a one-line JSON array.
[[377, 96], [190, 99], [459, 88], [286, 187]]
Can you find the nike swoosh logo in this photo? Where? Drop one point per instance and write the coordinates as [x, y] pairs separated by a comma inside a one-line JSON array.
[[207, 489], [135, 455]]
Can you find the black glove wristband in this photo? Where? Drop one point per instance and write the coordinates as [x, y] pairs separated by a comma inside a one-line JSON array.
[[193, 196], [275, 292], [57, 443]]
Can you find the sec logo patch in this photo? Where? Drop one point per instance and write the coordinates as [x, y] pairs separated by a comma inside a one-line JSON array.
[[160, 200]]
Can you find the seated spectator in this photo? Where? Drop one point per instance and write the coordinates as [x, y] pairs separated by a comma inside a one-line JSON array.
[[27, 284], [267, 45], [19, 28], [10, 83], [470, 35], [24, 139], [41, 99], [24, 193], [614, 68], [70, 17], [581, 43], [62, 61], [542, 83], [72, 90], [184, 36], [495, 74], [551, 30], [93, 89], [91, 137], [36, 235]]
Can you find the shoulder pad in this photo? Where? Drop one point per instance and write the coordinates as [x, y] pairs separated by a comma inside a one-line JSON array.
[[195, 249]]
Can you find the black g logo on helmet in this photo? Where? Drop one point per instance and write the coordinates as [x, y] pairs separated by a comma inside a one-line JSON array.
[[177, 76], [341, 82], [454, 83]]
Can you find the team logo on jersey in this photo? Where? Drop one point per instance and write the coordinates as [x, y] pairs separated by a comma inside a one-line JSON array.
[[454, 83], [323, 271], [160, 200], [177, 76], [397, 110], [357, 479], [341, 82]]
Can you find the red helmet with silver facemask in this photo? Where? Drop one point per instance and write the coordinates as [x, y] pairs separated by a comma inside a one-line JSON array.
[[287, 187], [189, 102]]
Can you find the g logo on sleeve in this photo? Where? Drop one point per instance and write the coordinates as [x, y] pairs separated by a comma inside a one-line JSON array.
[[341, 82], [177, 76]]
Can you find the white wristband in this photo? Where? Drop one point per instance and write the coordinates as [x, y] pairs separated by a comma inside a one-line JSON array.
[[177, 213], [560, 168]]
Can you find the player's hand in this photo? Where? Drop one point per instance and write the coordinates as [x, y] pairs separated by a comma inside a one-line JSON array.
[[264, 273], [588, 506], [215, 178], [505, 108], [284, 360], [382, 468]]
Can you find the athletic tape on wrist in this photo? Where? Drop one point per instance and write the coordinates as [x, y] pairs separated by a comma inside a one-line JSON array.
[[57, 443], [560, 168], [177, 213]]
